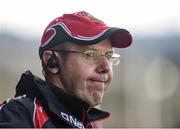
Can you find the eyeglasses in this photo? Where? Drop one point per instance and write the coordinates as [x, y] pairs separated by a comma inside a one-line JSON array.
[[92, 55]]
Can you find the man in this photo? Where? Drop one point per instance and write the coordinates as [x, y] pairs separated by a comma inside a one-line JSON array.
[[77, 56]]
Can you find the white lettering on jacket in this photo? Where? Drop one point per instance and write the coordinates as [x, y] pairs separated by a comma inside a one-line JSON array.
[[72, 120]]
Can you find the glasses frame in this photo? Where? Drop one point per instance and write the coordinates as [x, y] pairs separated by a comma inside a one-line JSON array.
[[114, 58]]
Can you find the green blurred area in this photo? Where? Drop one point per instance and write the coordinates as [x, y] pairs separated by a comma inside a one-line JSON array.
[[145, 88]]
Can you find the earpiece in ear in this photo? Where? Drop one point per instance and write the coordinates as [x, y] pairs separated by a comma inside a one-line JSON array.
[[53, 62]]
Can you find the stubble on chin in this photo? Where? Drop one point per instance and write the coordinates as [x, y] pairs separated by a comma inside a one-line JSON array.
[[95, 98]]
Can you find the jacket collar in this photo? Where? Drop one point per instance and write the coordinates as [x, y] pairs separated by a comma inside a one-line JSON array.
[[57, 99], [72, 103]]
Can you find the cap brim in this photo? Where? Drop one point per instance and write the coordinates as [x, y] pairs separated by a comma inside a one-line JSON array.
[[120, 38]]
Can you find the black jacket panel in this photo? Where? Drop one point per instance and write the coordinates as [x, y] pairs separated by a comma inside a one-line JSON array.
[[16, 113]]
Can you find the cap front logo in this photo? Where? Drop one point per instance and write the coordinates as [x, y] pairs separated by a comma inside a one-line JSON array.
[[91, 17]]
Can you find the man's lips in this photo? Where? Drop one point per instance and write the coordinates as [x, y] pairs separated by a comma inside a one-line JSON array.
[[99, 79], [96, 80], [98, 83]]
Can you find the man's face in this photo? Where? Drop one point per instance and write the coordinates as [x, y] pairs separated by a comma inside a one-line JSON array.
[[85, 78]]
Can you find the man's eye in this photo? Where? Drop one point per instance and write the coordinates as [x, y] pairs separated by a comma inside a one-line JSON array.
[[109, 56], [89, 54]]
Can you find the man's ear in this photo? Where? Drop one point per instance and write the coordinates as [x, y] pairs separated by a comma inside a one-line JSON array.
[[51, 62]]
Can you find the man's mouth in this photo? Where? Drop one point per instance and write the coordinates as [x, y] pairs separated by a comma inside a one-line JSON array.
[[97, 80], [102, 79], [98, 84]]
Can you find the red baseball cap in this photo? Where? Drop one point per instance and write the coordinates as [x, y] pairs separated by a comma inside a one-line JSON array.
[[82, 28]]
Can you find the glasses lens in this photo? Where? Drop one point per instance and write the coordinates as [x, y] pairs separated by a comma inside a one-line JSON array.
[[109, 56], [115, 59], [91, 55]]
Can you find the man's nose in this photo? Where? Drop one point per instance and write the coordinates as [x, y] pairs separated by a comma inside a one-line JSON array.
[[104, 65]]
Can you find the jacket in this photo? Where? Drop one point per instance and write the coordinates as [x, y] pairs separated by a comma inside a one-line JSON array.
[[40, 104]]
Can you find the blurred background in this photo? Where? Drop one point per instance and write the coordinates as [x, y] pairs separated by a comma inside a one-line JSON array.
[[146, 88]]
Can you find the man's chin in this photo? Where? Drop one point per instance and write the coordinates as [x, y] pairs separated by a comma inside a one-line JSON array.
[[93, 100], [96, 102]]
